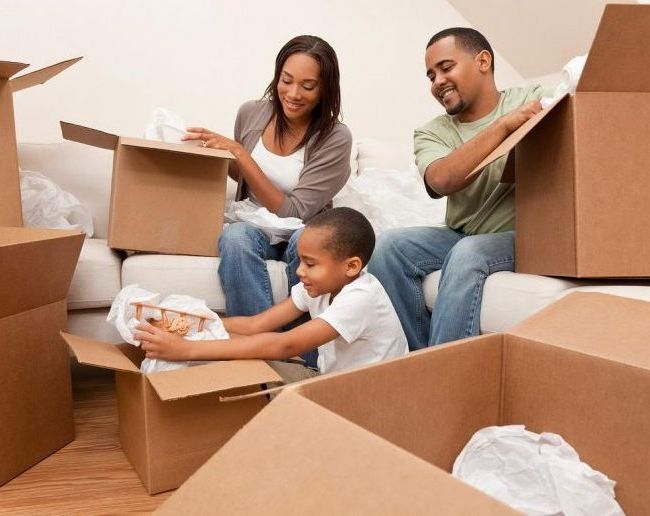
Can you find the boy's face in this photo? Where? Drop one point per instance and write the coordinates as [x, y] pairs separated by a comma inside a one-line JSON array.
[[456, 75], [320, 271]]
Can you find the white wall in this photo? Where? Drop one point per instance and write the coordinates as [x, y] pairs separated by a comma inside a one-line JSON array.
[[203, 58]]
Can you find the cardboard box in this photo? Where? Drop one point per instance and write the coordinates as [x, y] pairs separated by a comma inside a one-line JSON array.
[[35, 392], [171, 422], [376, 440], [10, 206], [582, 181], [165, 197]]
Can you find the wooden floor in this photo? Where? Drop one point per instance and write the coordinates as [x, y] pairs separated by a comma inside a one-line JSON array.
[[89, 476]]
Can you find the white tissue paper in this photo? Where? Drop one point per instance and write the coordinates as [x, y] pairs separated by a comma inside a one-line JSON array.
[[278, 229], [570, 76], [167, 127], [46, 205], [122, 315], [392, 199], [538, 474]]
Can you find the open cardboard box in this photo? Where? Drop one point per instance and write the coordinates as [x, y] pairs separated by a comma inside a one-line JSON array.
[[165, 197], [10, 205], [379, 439], [35, 391], [171, 422], [582, 165]]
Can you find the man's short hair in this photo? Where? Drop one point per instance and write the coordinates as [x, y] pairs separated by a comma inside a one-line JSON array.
[[351, 233], [469, 39]]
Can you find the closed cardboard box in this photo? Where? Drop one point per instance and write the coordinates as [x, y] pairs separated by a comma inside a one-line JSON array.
[[165, 197], [378, 440], [171, 422], [35, 392], [582, 165]]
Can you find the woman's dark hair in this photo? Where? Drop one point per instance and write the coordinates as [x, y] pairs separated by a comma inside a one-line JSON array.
[[326, 113]]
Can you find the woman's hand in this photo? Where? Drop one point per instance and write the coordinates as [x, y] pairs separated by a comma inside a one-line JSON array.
[[157, 343], [213, 140]]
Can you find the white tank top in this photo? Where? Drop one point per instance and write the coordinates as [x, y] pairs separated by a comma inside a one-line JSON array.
[[282, 171]]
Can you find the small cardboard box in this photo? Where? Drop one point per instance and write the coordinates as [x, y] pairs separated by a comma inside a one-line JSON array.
[[165, 197], [582, 165], [10, 206], [171, 422], [35, 392], [376, 440]]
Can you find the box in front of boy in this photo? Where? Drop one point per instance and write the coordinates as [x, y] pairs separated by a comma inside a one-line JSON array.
[[171, 422], [581, 165], [35, 391], [165, 197], [383, 436]]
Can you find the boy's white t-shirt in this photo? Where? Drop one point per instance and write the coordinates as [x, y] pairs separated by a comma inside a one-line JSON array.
[[363, 315]]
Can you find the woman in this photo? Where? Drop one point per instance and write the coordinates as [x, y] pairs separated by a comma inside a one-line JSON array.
[[292, 156]]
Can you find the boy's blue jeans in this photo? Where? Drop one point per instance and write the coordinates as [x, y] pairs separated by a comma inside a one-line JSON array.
[[404, 257]]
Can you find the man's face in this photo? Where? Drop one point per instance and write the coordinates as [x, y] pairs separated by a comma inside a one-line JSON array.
[[454, 74]]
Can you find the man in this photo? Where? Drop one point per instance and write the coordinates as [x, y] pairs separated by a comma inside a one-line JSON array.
[[479, 237]]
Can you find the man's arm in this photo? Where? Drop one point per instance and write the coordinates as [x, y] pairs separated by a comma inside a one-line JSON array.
[[449, 174], [266, 346]]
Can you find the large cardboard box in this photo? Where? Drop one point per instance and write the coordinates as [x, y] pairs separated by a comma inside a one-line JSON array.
[[35, 392], [171, 422], [10, 206], [582, 165], [378, 440], [165, 197]]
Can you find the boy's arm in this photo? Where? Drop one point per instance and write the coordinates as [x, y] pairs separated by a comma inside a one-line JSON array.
[[269, 320], [449, 174], [267, 346]]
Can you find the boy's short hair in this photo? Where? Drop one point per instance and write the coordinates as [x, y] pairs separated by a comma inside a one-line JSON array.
[[351, 233], [469, 39]]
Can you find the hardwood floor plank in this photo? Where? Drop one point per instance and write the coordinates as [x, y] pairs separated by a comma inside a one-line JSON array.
[[89, 476]]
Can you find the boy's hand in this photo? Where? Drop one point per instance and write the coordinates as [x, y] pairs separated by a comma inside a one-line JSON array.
[[519, 116], [157, 343]]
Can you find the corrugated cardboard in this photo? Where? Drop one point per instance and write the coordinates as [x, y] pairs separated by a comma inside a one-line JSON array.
[[165, 197], [171, 422], [378, 437], [10, 206], [583, 185], [35, 392]]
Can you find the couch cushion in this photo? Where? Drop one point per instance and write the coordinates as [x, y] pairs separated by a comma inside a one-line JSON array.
[[192, 275], [96, 279], [509, 297]]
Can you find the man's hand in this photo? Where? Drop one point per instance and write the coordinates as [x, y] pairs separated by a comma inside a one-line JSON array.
[[157, 343], [519, 116]]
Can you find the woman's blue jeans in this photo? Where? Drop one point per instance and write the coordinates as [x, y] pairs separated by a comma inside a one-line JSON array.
[[244, 277], [404, 257]]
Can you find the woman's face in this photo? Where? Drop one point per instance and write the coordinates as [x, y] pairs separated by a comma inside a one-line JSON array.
[[299, 86]]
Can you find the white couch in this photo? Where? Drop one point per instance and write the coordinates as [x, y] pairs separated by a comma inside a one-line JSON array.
[[101, 273]]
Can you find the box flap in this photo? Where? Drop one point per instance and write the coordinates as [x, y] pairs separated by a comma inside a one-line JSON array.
[[182, 148], [100, 354], [514, 138], [615, 60], [611, 327], [9, 68], [213, 377], [89, 136], [27, 258], [295, 457], [40, 76]]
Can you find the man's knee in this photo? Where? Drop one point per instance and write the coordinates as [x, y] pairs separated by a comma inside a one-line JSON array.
[[386, 247], [480, 252]]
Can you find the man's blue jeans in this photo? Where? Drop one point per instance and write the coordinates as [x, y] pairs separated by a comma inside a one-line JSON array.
[[404, 257], [244, 277]]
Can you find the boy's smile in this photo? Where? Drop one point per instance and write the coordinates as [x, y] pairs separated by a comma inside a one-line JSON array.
[[320, 271]]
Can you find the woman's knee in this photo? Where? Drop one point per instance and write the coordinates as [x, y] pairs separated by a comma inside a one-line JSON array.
[[237, 237]]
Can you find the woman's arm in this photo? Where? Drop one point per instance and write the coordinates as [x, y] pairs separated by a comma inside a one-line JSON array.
[[266, 346]]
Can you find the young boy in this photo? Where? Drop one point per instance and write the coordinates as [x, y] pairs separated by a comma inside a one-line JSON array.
[[353, 322]]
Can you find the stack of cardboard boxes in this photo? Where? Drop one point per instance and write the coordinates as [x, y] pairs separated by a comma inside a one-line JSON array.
[[36, 395]]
